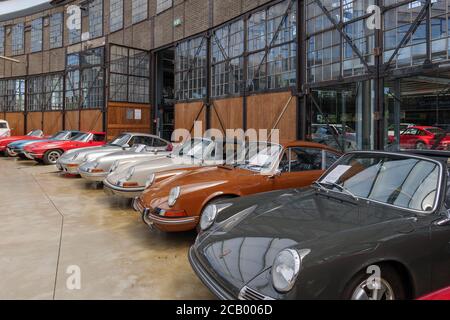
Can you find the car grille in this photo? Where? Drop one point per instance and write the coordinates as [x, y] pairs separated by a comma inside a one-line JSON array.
[[250, 294]]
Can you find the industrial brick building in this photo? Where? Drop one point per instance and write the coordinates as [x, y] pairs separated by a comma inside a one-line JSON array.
[[299, 66]]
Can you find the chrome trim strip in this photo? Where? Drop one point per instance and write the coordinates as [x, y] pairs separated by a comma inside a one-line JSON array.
[[174, 221]]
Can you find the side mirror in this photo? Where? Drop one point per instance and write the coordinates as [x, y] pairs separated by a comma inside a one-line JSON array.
[[445, 221], [126, 146]]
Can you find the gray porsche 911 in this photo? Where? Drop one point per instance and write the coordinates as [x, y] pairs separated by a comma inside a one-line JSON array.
[[375, 226]]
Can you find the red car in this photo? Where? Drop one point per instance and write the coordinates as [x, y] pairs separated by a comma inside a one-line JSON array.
[[33, 135], [424, 137], [49, 152], [440, 295]]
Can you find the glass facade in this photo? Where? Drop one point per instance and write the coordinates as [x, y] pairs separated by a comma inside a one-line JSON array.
[[139, 10], [17, 39], [129, 79], [85, 78], [45, 93], [56, 30], [115, 15], [95, 19], [12, 95], [36, 35]]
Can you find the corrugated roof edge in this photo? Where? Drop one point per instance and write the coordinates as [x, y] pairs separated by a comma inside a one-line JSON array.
[[26, 12]]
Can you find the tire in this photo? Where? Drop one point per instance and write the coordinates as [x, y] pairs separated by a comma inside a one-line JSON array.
[[10, 153], [213, 201], [390, 280], [51, 156], [420, 146]]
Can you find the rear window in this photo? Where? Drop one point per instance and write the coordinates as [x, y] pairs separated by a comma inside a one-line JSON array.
[[3, 125]]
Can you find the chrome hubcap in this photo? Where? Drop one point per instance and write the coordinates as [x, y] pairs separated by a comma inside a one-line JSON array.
[[53, 156], [364, 292]]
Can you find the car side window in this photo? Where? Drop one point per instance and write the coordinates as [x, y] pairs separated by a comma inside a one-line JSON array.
[[301, 159], [99, 137], [148, 141], [158, 143]]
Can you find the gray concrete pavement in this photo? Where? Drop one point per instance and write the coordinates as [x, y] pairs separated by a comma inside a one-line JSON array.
[[50, 222]]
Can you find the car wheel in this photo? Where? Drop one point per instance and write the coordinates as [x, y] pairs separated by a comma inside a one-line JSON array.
[[50, 157], [390, 286], [11, 153], [420, 146], [213, 201], [23, 157]]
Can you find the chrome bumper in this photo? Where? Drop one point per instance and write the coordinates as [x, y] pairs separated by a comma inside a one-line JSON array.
[[94, 177], [130, 193]]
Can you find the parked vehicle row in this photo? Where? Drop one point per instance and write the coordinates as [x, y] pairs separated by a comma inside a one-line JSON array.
[[295, 220]]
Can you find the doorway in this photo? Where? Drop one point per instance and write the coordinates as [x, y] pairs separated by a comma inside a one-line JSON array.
[[165, 93]]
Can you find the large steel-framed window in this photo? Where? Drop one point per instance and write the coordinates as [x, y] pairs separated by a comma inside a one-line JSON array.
[[272, 48], [74, 28], [56, 30], [45, 93], [85, 80], [115, 15], [12, 95], [17, 39], [163, 5], [95, 19], [330, 55], [36, 35], [2, 40], [191, 69], [139, 10], [227, 59], [129, 79]]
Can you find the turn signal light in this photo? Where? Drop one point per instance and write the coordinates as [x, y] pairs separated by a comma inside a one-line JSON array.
[[174, 214], [130, 184], [97, 170]]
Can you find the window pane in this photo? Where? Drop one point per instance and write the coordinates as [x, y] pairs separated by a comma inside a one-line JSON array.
[[95, 19], [115, 15], [139, 10], [56, 30], [17, 41]]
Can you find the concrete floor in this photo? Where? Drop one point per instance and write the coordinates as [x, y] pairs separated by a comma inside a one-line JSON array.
[[50, 222]]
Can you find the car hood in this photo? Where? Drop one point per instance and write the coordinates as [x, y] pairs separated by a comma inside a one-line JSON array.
[[249, 235], [128, 154], [6, 141], [144, 169], [23, 143]]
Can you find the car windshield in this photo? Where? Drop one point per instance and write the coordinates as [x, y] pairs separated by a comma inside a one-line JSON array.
[[120, 140], [3, 125], [60, 136], [402, 181], [194, 148], [35, 133], [261, 156], [81, 137]]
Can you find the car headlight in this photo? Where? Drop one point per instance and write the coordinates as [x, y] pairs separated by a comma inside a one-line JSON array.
[[210, 213], [285, 270], [130, 173], [114, 166], [150, 180], [174, 195]]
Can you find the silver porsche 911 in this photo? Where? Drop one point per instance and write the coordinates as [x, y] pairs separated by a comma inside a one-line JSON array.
[[129, 181], [72, 160]]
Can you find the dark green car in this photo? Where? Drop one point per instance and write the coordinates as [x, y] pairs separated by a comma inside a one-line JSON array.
[[376, 226]]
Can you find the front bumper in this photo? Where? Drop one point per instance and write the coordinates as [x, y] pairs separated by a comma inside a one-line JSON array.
[[129, 193], [207, 280], [33, 156], [94, 177], [69, 169]]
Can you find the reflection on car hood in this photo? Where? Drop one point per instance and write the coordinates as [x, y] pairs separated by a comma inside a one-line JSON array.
[[248, 236], [128, 154]]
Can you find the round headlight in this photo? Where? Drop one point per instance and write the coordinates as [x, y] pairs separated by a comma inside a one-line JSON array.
[[208, 217], [130, 173], [285, 270], [114, 166], [173, 196], [150, 180]]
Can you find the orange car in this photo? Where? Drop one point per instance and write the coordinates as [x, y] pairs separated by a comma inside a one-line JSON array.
[[176, 204]]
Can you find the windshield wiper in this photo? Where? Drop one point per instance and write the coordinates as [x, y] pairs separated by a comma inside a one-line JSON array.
[[338, 186]]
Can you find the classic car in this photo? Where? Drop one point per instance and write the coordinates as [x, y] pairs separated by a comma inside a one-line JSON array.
[[402, 128], [176, 204], [5, 130], [70, 161], [376, 225], [423, 137], [18, 148], [129, 181], [98, 169], [441, 295], [49, 152], [32, 135]]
